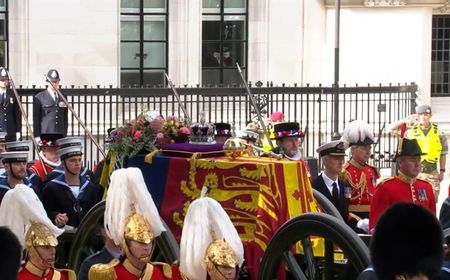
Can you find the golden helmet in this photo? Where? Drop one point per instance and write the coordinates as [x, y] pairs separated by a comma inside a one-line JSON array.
[[40, 235], [137, 228]]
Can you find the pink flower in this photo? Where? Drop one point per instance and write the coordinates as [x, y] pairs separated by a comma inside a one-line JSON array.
[[185, 130], [159, 136], [137, 134], [120, 132]]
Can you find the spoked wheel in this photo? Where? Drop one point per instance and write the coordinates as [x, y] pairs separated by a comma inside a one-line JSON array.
[[87, 240], [338, 239]]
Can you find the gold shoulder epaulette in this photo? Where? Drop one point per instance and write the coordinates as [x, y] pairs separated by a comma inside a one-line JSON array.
[[102, 271], [166, 268], [346, 165], [417, 179], [70, 272]]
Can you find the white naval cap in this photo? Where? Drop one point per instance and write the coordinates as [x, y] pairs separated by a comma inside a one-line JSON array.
[[18, 146], [14, 156], [68, 152], [2, 137], [333, 148], [68, 142]]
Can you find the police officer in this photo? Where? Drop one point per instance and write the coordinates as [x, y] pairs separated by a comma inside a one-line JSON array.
[[49, 111], [9, 109], [405, 186], [68, 197], [434, 144]]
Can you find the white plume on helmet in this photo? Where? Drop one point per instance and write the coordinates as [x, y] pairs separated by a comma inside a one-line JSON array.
[[127, 189], [357, 131], [20, 208], [204, 217]]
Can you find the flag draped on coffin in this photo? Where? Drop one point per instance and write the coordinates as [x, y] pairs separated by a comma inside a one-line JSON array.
[[259, 194]]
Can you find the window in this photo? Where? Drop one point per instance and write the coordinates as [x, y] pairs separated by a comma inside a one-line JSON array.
[[143, 42], [440, 59], [4, 33], [224, 40]]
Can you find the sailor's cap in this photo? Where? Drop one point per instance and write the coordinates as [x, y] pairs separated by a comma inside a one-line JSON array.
[[68, 142], [17, 146], [14, 156], [69, 152], [333, 148]]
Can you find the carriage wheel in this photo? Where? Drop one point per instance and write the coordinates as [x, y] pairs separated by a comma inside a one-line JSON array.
[[325, 205], [307, 266], [87, 240]]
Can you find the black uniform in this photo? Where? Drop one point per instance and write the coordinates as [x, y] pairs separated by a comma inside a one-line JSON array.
[[49, 116], [57, 197], [9, 115], [341, 203]]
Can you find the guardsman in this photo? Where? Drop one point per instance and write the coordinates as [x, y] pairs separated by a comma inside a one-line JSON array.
[[10, 116], [405, 186], [16, 171], [36, 234], [361, 176], [69, 197], [289, 139], [434, 144], [50, 159], [222, 132], [210, 249], [50, 115], [328, 182], [133, 222], [407, 244]]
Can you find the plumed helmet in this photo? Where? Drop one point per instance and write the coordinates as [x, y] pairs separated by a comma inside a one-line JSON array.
[[358, 132]]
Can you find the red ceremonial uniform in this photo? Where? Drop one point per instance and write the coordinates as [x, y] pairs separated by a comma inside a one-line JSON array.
[[38, 169], [400, 188], [31, 272], [363, 180], [126, 271]]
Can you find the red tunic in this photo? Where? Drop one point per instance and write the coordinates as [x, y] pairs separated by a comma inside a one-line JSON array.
[[397, 189], [363, 180], [38, 169], [30, 272], [126, 271]]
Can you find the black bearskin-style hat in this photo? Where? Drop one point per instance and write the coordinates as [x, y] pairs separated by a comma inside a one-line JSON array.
[[408, 147], [10, 254], [408, 240], [287, 129]]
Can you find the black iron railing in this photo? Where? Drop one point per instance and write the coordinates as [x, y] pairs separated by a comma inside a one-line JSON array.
[[312, 107]]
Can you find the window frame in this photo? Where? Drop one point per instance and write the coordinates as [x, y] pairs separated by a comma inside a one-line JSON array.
[[440, 55], [142, 14], [222, 42]]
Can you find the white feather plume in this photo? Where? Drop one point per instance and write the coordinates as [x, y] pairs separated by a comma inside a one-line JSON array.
[[203, 216], [356, 131], [128, 188], [20, 207]]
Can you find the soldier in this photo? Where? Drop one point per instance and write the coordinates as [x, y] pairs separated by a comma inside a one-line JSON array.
[[210, 246], [133, 222], [16, 171], [222, 132], [9, 109], [328, 183], [49, 111], [48, 154], [405, 186], [35, 232], [288, 136], [68, 197], [361, 176], [407, 244]]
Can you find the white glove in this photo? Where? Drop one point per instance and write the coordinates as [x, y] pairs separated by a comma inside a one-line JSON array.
[[17, 135], [363, 225], [38, 139]]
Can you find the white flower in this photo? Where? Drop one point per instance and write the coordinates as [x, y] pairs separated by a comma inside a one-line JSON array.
[[151, 115]]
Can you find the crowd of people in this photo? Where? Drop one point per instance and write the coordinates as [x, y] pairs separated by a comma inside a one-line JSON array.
[[56, 192]]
